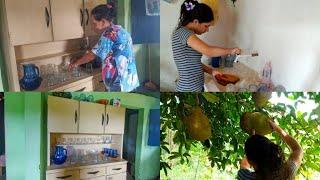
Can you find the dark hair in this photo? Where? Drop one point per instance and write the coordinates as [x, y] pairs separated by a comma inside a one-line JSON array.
[[104, 11], [200, 11], [268, 156]]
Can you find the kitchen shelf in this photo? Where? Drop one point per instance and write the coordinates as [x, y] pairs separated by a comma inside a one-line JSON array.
[[48, 56]]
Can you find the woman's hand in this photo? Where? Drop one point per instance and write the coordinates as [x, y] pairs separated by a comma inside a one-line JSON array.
[[235, 51], [216, 73], [72, 65], [276, 128]]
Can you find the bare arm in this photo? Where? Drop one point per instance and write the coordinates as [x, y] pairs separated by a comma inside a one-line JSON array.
[[89, 56], [297, 152], [244, 164], [212, 51], [209, 70]]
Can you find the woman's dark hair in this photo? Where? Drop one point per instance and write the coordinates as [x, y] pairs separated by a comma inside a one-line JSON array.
[[267, 156], [104, 11], [191, 10]]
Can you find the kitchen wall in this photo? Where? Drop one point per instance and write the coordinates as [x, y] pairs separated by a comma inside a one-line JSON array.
[[1, 70], [23, 125], [218, 35], [3, 81], [25, 117], [285, 32], [2, 133]]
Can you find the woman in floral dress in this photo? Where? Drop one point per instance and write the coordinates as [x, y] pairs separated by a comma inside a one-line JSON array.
[[114, 47]]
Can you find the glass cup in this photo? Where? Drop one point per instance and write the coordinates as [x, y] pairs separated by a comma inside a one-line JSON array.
[[230, 88], [253, 88], [76, 72], [243, 90], [280, 88]]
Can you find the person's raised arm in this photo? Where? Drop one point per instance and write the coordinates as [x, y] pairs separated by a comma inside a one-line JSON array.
[[212, 51], [297, 152]]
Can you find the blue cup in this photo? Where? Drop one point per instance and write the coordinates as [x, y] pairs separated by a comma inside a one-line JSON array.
[[215, 62]]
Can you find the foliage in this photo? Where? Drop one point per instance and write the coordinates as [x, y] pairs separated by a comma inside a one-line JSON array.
[[226, 146]]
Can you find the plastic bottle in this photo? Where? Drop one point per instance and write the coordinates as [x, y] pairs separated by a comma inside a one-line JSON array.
[[266, 75]]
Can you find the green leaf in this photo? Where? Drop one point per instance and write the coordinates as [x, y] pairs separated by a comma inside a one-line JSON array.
[[210, 97], [166, 149]]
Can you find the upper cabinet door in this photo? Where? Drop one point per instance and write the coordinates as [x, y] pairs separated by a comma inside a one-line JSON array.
[[63, 115], [88, 6], [29, 21], [92, 118], [67, 19], [115, 120]]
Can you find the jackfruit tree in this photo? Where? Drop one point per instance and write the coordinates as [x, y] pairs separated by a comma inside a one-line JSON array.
[[221, 122]]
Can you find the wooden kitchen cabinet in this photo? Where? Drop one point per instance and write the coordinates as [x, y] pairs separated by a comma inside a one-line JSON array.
[[67, 19], [115, 120], [92, 118], [28, 21], [63, 115], [88, 6], [93, 173], [122, 176], [71, 116], [68, 175]]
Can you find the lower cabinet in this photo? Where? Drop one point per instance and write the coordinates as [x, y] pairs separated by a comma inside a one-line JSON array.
[[92, 173], [68, 175], [117, 171], [122, 176]]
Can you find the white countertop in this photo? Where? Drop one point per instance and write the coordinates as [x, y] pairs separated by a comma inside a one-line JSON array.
[[247, 76]]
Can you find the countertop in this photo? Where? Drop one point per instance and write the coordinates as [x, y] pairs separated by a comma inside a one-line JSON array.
[[247, 77], [57, 168], [85, 76]]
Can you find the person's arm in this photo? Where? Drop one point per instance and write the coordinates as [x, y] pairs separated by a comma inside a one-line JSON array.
[[297, 152], [212, 51], [89, 56], [244, 163]]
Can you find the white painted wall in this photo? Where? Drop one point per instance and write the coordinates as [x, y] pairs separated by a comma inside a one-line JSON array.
[[285, 32]]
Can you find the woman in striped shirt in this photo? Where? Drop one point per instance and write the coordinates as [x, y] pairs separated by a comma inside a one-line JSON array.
[[195, 19], [267, 158]]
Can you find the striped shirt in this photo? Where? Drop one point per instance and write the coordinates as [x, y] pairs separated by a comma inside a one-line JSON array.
[[286, 173], [188, 62]]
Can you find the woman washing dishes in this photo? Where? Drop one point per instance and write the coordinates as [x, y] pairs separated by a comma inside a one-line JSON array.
[[195, 19], [114, 47], [267, 158]]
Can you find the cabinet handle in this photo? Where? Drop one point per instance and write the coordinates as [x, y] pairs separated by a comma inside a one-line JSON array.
[[102, 119], [81, 90], [107, 119], [81, 17], [95, 172], [117, 169], [47, 17], [64, 177], [75, 116], [87, 12]]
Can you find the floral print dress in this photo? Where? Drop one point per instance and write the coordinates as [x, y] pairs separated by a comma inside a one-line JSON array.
[[119, 71]]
